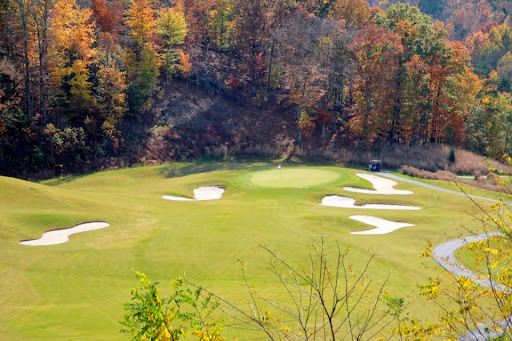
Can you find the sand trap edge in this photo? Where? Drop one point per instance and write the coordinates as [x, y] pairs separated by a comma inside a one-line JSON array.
[[335, 200], [382, 186], [60, 236], [382, 226], [173, 198], [202, 193]]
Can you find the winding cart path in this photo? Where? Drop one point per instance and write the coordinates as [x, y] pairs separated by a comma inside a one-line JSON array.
[[437, 188], [444, 254]]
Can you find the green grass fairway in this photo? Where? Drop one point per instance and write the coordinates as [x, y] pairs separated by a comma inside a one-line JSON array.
[[76, 290], [293, 177]]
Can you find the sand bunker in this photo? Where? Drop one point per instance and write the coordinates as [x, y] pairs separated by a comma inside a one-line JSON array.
[[62, 236], [346, 202], [381, 185], [200, 194], [383, 226]]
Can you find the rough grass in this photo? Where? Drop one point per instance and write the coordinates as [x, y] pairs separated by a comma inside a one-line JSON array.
[[438, 175], [428, 157], [75, 291], [491, 182]]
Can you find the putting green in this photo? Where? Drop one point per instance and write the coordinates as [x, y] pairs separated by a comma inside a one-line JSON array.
[[293, 177]]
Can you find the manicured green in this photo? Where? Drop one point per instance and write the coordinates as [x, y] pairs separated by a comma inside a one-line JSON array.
[[76, 290], [293, 177]]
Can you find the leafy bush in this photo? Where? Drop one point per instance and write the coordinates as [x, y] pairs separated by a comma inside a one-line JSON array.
[[451, 158], [184, 311], [419, 173]]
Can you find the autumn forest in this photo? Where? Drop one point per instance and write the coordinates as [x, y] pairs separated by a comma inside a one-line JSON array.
[[86, 84]]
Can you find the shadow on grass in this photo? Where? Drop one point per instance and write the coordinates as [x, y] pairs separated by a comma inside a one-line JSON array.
[[178, 169], [63, 179], [205, 165]]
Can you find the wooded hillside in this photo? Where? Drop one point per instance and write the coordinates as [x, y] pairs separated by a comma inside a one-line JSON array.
[[101, 83]]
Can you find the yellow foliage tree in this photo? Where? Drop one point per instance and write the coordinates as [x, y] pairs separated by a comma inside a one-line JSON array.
[[80, 93], [172, 27], [111, 92], [71, 51], [141, 21], [72, 35]]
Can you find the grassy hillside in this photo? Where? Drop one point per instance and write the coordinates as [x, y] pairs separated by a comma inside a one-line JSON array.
[[75, 290]]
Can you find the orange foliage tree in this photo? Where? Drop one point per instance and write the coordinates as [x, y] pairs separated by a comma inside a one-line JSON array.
[[375, 53]]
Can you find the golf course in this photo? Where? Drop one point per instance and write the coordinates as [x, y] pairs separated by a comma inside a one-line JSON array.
[[151, 219]]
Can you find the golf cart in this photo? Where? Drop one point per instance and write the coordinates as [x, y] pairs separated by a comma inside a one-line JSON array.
[[374, 165]]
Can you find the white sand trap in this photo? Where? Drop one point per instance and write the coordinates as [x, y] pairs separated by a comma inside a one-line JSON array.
[[62, 235], [381, 185], [346, 202], [201, 193], [383, 226]]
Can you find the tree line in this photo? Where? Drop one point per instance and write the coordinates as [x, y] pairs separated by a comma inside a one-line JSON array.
[[83, 80]]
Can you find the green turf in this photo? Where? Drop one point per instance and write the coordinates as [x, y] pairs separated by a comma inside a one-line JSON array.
[[293, 177], [75, 291]]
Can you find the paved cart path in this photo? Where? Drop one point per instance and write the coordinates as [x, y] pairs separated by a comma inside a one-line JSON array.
[[437, 188], [444, 254]]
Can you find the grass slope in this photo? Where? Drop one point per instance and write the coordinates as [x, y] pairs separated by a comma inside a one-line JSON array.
[[75, 291]]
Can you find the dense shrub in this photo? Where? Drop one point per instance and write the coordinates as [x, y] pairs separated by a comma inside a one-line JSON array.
[[438, 175]]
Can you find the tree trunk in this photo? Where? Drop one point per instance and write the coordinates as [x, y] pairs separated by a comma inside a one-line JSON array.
[[299, 131], [368, 112], [42, 37], [253, 71], [394, 130], [435, 118], [269, 75], [28, 94]]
